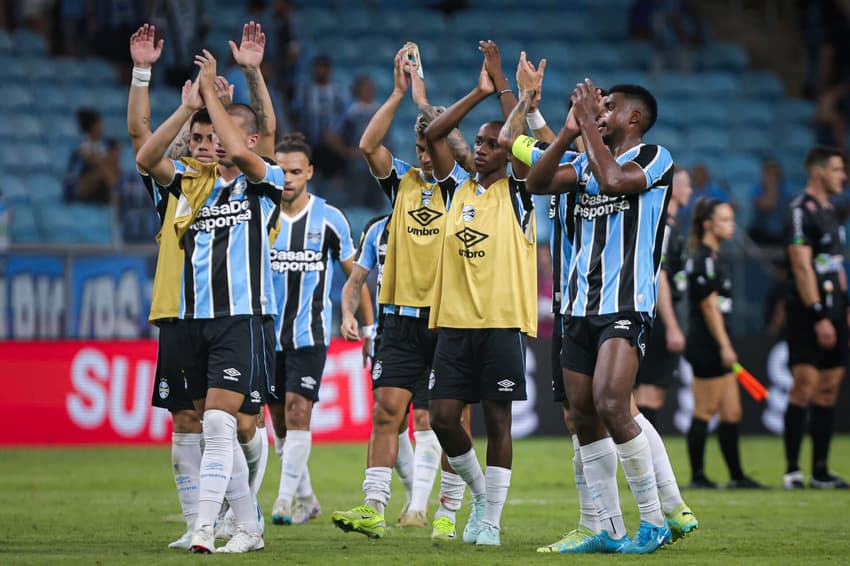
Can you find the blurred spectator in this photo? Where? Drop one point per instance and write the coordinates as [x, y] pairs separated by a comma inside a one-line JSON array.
[[94, 167], [114, 21], [185, 23], [363, 186], [703, 187], [770, 199], [137, 222], [286, 47], [74, 17], [317, 110], [673, 27]]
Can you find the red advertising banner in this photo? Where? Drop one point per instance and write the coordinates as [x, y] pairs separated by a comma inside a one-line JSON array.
[[99, 392]]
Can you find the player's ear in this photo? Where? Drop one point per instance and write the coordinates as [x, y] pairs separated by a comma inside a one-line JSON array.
[[308, 172], [252, 140]]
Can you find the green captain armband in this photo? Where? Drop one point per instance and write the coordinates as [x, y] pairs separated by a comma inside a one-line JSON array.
[[522, 148]]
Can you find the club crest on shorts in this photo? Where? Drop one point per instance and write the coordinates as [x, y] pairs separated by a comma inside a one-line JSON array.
[[377, 369], [432, 379], [164, 389], [467, 213]]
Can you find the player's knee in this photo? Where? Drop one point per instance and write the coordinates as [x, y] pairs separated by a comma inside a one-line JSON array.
[[440, 421], [610, 410], [421, 420], [246, 427], [186, 422], [384, 415]]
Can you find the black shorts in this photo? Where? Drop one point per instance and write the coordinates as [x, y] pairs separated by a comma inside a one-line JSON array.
[[803, 343], [169, 387], [404, 356], [660, 366], [583, 336], [703, 353], [234, 353], [558, 393], [298, 371], [479, 364]]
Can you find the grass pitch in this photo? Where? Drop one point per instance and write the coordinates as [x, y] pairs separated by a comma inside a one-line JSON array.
[[119, 506]]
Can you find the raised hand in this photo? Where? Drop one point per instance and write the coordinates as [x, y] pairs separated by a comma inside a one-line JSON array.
[[249, 54], [492, 58], [224, 90], [401, 71], [485, 81], [144, 49], [585, 100], [206, 77], [191, 95]]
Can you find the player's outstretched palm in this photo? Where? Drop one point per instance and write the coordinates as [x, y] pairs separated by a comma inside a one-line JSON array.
[[585, 102], [224, 90], [485, 82], [206, 77], [191, 95], [401, 71], [144, 49], [249, 53], [492, 57]]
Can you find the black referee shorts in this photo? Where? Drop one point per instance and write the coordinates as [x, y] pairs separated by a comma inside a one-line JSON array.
[[479, 364], [234, 353], [803, 346], [169, 388], [583, 336], [703, 353], [660, 366]]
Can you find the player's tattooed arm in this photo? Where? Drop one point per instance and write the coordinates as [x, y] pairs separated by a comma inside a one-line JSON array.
[[180, 146], [514, 127], [352, 297], [249, 56]]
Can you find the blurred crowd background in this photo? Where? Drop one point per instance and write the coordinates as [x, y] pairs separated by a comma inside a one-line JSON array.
[[744, 89]]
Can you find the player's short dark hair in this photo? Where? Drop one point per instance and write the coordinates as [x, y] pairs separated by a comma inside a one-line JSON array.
[[87, 118], [251, 122], [497, 123], [820, 154], [641, 94], [422, 121], [294, 143], [200, 117], [704, 209]]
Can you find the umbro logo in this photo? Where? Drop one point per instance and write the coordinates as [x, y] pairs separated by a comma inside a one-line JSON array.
[[471, 237], [622, 324], [424, 215], [307, 382], [506, 385], [231, 374]]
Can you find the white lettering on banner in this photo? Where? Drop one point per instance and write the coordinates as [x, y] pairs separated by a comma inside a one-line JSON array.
[[130, 423], [89, 376], [111, 310], [101, 389], [38, 303], [327, 415]]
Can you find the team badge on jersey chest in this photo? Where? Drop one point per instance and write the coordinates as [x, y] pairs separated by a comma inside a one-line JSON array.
[[467, 213], [426, 196]]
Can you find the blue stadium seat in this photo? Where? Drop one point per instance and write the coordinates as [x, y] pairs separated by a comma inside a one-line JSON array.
[[16, 97], [752, 140], [677, 84], [27, 42], [14, 190], [57, 223], [24, 228], [756, 113], [793, 139], [315, 21], [636, 55], [36, 158], [670, 138], [740, 167], [762, 85], [6, 43], [600, 56], [27, 127], [45, 188], [719, 83], [608, 23], [709, 112], [794, 110], [708, 140], [723, 57], [98, 71], [54, 100], [475, 24], [742, 194], [91, 223]]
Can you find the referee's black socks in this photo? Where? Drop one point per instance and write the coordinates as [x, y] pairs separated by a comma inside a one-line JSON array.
[[795, 424], [820, 427], [697, 435], [727, 434], [650, 414]]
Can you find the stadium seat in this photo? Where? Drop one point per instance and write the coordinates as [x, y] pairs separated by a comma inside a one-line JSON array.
[[707, 140], [793, 139], [752, 140], [764, 85], [15, 97], [790, 110], [92, 223], [14, 190], [54, 100], [709, 112], [678, 84], [636, 55], [28, 42], [45, 188], [756, 113], [98, 71], [599, 56], [26, 127], [36, 158], [6, 43], [720, 84], [670, 138], [57, 222], [740, 168], [742, 194], [24, 228], [474, 24], [723, 57]]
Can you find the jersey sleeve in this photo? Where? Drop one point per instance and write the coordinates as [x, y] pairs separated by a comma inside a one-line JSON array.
[[391, 182], [800, 230], [580, 165], [342, 249], [367, 254], [174, 186], [272, 182], [655, 161], [702, 278]]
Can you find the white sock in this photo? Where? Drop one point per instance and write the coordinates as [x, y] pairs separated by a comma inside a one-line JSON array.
[[304, 492], [239, 492], [668, 487], [467, 467], [216, 463], [293, 461], [498, 481], [589, 516], [636, 458], [600, 471], [404, 464], [253, 451], [426, 463], [452, 487], [278, 445], [186, 467], [376, 487]]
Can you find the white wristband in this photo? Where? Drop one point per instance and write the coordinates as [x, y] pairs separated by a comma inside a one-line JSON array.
[[535, 120], [367, 330], [141, 77]]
